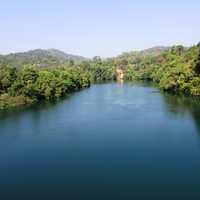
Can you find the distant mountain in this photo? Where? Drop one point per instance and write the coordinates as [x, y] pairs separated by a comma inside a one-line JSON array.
[[134, 57], [154, 50], [146, 52], [62, 55], [40, 58], [56, 58]]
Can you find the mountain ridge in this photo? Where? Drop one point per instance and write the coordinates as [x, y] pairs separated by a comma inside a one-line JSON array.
[[40, 58], [54, 58]]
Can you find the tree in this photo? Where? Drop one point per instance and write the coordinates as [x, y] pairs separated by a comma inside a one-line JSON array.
[[197, 63], [71, 62], [7, 77], [97, 60], [177, 49], [122, 63]]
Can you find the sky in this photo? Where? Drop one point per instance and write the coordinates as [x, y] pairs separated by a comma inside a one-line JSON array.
[[97, 28]]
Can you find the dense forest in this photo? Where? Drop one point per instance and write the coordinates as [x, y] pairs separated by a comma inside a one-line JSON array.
[[175, 70], [29, 84], [48, 75]]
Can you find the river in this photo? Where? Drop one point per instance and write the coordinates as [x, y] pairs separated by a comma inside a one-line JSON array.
[[110, 141]]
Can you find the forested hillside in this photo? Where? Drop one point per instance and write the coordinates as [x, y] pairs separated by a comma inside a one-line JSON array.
[[136, 57], [29, 84], [176, 69], [40, 58]]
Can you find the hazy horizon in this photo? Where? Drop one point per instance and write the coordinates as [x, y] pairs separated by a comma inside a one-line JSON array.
[[106, 28]]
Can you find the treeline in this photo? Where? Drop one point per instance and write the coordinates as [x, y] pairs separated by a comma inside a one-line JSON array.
[[99, 70], [27, 85], [176, 69], [30, 84]]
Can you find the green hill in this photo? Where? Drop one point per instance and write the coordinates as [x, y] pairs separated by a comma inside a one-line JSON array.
[[40, 58]]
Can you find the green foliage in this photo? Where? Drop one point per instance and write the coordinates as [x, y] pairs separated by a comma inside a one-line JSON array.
[[175, 70], [7, 77], [7, 101], [99, 70], [101, 73], [28, 84], [197, 63]]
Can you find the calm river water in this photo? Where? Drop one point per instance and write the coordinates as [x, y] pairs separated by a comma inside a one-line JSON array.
[[111, 141]]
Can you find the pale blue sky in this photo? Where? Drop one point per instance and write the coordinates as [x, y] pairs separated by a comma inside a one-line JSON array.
[[103, 27]]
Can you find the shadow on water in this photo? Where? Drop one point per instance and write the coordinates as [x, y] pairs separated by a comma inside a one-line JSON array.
[[14, 113], [14, 121], [177, 105], [181, 105]]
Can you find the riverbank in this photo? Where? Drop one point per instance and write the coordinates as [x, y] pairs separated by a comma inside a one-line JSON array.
[[8, 102], [28, 85], [176, 70]]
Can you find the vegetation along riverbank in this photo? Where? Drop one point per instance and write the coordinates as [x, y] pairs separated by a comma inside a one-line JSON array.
[[30, 77]]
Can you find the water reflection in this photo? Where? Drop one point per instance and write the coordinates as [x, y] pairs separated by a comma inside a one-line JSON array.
[[120, 81], [28, 121], [181, 105]]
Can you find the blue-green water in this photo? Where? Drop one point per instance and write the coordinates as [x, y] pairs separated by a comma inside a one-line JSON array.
[[110, 141]]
